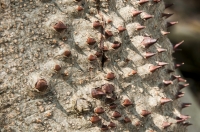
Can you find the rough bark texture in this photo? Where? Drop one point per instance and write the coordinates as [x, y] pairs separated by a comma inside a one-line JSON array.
[[30, 47]]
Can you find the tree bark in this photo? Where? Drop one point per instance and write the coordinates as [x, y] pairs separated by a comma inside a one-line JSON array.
[[60, 60]]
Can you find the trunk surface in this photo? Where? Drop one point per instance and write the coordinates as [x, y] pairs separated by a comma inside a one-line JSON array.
[[58, 60]]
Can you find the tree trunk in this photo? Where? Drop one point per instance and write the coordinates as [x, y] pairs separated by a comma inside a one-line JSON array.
[[87, 65]]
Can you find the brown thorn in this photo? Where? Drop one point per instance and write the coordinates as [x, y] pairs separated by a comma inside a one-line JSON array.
[[145, 113], [135, 13], [154, 68], [92, 58], [161, 63], [177, 45], [147, 42], [181, 86], [169, 24], [166, 124], [116, 45], [127, 103], [166, 15], [164, 32], [110, 76], [95, 119], [142, 1], [165, 100], [41, 85], [91, 41], [184, 105], [116, 114], [99, 110], [59, 27], [108, 88], [148, 55], [161, 50], [121, 29]]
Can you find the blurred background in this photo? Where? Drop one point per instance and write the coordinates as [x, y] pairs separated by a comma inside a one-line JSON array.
[[187, 13]]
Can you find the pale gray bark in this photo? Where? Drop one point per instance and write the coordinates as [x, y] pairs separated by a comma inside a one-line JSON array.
[[30, 48]]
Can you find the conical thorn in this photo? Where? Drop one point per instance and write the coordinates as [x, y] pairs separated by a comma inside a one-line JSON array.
[[147, 42], [148, 55], [142, 1], [154, 68], [165, 100], [177, 45], [135, 13], [169, 24], [184, 105]]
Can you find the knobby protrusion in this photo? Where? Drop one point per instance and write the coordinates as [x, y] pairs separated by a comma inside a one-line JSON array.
[[127, 103], [178, 65], [121, 28], [111, 125], [67, 53], [169, 24], [184, 117], [145, 113], [147, 16], [180, 79], [41, 85], [126, 120], [92, 57], [57, 68], [166, 83], [110, 100], [173, 77], [135, 13], [184, 105], [95, 119], [138, 123], [59, 27], [116, 45], [108, 33], [179, 94], [166, 15], [164, 32], [177, 45], [160, 50], [165, 100], [113, 106], [91, 41], [142, 1], [147, 42], [80, 8], [97, 93], [161, 63], [154, 68], [104, 128], [110, 76], [99, 110], [116, 114], [186, 124], [181, 86], [156, 1], [97, 24], [108, 88], [179, 120], [139, 27], [133, 72], [166, 124], [105, 48], [148, 55]]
